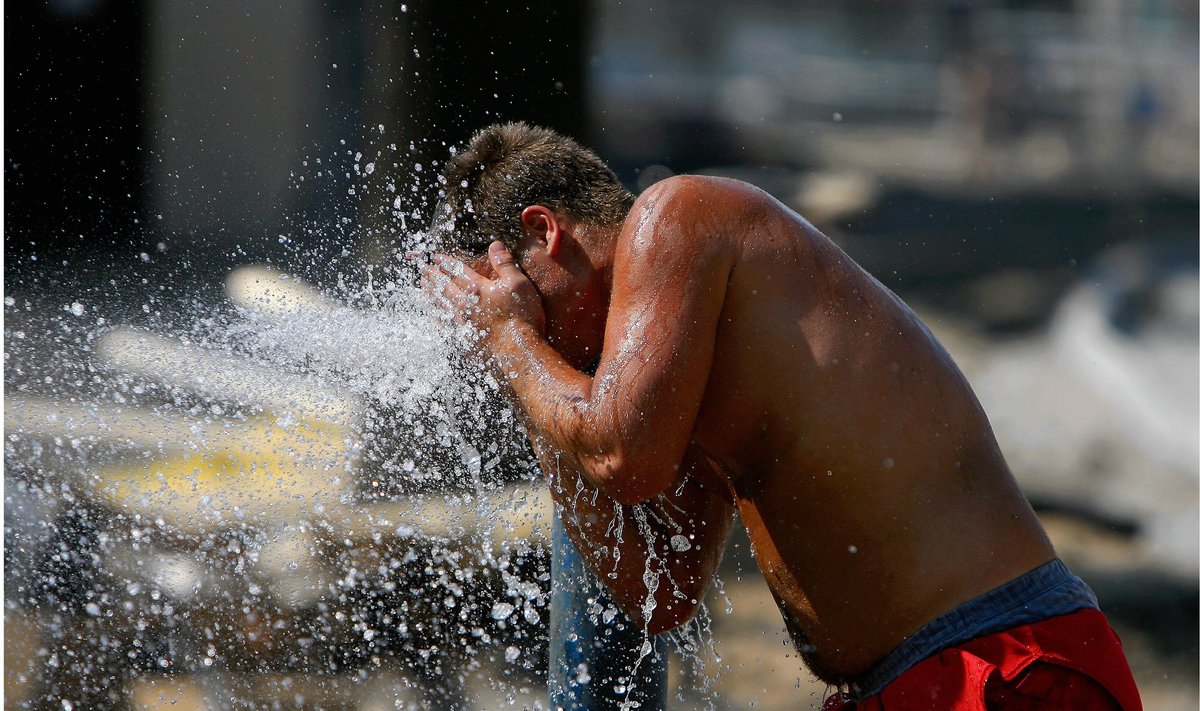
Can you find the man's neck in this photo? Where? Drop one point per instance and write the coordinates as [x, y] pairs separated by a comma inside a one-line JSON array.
[[600, 245], [580, 337]]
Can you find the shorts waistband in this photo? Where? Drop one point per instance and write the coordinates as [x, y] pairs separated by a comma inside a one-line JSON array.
[[1047, 591]]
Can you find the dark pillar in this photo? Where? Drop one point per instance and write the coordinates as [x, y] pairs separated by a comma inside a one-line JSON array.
[[594, 663]]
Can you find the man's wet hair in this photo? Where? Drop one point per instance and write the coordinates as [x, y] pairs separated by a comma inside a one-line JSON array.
[[507, 167]]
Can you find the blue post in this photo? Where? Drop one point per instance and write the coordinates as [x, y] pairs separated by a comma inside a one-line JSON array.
[[591, 660]]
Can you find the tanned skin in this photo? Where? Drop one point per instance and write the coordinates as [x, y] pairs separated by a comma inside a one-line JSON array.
[[746, 361]]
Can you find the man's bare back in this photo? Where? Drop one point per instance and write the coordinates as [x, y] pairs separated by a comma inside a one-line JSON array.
[[861, 464]]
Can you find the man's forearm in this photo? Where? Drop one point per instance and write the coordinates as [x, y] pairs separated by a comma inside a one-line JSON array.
[[554, 396]]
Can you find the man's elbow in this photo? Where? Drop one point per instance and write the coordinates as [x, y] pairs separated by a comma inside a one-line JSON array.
[[628, 482], [675, 605], [630, 495], [671, 615]]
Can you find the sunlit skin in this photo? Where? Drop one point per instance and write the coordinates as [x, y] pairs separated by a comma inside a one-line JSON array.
[[745, 361]]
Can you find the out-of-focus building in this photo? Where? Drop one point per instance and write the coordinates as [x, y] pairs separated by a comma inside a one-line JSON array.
[[984, 97]]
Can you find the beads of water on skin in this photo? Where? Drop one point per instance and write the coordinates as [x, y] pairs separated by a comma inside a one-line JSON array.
[[680, 544]]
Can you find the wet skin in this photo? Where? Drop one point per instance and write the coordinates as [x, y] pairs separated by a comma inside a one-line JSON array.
[[747, 362]]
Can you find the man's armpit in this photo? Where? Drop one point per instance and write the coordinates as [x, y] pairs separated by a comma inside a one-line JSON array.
[[708, 473]]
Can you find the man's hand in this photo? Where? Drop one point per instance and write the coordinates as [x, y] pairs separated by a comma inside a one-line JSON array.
[[489, 304]]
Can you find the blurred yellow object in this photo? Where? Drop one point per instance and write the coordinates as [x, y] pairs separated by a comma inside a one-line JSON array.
[[174, 693], [274, 294], [21, 660], [201, 476], [262, 472]]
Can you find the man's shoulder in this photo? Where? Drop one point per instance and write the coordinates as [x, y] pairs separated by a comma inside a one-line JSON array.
[[701, 188], [696, 219], [702, 202]]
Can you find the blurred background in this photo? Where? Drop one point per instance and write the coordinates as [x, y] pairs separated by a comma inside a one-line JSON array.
[[1022, 172]]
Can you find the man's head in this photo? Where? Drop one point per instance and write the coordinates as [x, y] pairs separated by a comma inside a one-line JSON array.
[[556, 206], [508, 167]]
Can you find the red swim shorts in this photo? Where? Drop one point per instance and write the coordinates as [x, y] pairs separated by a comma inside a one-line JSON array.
[[1072, 661]]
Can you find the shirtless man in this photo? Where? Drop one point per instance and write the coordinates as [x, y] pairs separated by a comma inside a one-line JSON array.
[[743, 361]]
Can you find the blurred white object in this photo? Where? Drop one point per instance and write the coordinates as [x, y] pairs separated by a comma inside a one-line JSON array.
[[291, 450], [225, 377], [1101, 412], [273, 293]]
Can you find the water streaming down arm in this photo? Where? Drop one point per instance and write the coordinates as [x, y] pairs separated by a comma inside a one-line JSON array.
[[658, 573]]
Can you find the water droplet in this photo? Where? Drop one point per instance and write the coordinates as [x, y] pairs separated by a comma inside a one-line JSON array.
[[679, 544]]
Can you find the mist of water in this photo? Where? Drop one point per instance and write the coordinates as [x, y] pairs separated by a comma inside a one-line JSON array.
[[278, 496]]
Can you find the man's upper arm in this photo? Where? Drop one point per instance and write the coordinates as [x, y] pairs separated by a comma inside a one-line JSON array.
[[670, 273]]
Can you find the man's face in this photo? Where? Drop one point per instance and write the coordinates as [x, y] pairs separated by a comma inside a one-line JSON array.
[[559, 290], [545, 286]]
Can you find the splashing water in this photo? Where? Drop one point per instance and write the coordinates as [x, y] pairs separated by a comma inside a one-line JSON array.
[[275, 494], [290, 486]]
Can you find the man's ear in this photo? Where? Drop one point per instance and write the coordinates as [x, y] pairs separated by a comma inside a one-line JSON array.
[[541, 223]]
